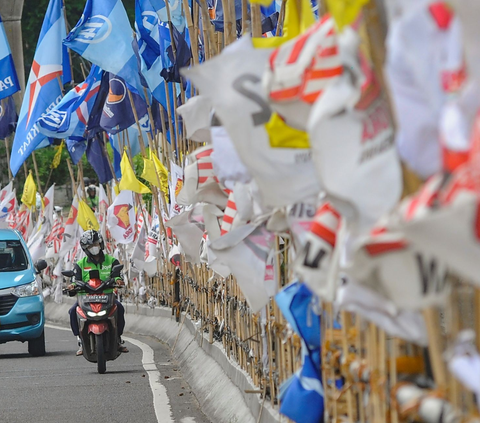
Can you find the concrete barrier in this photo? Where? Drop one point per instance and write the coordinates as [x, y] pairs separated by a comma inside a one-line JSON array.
[[218, 382]]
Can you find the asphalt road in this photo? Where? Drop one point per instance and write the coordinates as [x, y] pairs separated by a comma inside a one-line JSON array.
[[144, 385]]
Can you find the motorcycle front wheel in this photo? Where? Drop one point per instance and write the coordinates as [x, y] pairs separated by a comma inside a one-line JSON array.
[[101, 361]]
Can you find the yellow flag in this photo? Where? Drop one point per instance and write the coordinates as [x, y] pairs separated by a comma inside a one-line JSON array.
[[150, 174], [345, 11], [29, 191], [283, 136], [129, 181], [58, 156], [86, 218], [162, 173], [295, 23], [262, 2]]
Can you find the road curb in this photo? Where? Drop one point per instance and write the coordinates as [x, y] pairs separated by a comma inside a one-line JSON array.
[[219, 384]]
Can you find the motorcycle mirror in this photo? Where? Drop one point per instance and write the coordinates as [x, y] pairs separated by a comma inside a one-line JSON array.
[[68, 273], [41, 265], [117, 269]]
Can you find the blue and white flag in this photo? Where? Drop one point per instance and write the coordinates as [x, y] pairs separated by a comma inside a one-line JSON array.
[[104, 37], [70, 116], [76, 146], [301, 400], [117, 113], [43, 89], [120, 141], [177, 16], [153, 39], [97, 157], [8, 76], [8, 117]]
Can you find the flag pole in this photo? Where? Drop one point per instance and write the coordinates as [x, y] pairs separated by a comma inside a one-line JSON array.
[[191, 32], [72, 177], [36, 174], [8, 158]]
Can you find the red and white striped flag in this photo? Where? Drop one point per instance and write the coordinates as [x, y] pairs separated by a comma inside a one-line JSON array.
[[314, 260]]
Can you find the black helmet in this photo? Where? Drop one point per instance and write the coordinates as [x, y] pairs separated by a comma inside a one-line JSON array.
[[91, 188], [89, 238]]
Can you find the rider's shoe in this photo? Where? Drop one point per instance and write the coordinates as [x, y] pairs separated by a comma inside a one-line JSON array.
[[121, 348], [80, 347]]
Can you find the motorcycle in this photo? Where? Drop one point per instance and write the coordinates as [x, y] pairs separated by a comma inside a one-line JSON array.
[[97, 317]]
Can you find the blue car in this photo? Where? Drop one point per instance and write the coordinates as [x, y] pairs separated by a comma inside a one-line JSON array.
[[22, 316]]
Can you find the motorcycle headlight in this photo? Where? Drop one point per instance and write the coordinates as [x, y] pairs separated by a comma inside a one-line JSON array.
[[27, 290], [100, 313]]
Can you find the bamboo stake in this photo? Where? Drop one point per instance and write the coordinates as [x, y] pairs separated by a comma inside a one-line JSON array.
[[435, 348], [39, 185], [256, 20], [72, 177], [343, 317], [7, 148]]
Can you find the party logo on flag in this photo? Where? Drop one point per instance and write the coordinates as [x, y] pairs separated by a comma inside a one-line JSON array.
[[121, 212]]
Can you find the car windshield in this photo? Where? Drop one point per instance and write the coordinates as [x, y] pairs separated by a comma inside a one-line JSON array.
[[12, 256]]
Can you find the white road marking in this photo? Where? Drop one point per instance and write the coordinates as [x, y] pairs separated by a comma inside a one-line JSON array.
[[161, 403], [188, 420]]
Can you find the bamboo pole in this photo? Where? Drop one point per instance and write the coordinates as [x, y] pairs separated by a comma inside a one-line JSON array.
[[39, 185], [7, 149]]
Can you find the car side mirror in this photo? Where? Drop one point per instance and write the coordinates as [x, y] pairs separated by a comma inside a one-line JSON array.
[[68, 273], [40, 265]]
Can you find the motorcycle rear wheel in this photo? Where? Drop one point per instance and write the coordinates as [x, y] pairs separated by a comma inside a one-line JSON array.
[[101, 361]]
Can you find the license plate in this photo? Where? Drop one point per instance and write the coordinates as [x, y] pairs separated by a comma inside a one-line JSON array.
[[96, 299]]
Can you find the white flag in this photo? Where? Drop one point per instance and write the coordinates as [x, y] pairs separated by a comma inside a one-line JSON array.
[[232, 80], [69, 237], [121, 218]]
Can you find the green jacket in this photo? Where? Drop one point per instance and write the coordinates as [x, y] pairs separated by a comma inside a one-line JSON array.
[[84, 266]]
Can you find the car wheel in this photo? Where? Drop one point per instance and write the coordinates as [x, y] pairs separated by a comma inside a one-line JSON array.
[[36, 347]]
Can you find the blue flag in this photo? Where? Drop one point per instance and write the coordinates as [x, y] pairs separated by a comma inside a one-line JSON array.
[[121, 140], [76, 146], [117, 113], [70, 116], [302, 398], [177, 17], [96, 156], [8, 76], [43, 90], [8, 117], [104, 36], [153, 39]]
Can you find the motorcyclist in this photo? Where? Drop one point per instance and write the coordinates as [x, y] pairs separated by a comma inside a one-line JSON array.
[[92, 244], [92, 197]]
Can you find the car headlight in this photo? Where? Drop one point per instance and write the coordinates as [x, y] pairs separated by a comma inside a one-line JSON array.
[[27, 290]]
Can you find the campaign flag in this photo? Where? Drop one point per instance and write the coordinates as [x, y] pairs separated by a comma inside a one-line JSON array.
[[153, 38], [7, 206], [8, 76], [43, 91], [232, 81], [8, 117], [151, 252], [129, 181], [245, 251], [117, 113], [70, 116], [6, 190], [22, 222], [86, 217], [177, 15], [180, 59], [29, 191], [103, 36], [121, 218], [76, 146], [119, 141], [54, 240], [97, 157], [69, 237], [302, 400]]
